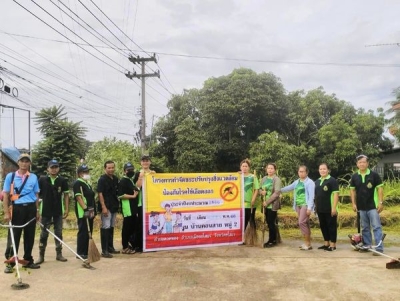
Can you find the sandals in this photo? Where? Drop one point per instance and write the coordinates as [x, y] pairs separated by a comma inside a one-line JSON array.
[[128, 251]]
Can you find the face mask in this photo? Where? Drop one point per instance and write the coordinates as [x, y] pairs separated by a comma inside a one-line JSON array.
[[86, 177], [130, 174]]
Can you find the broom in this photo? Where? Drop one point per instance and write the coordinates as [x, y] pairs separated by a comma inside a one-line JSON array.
[[250, 234], [93, 252]]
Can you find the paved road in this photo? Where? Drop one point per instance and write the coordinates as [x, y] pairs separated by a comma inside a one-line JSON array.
[[219, 273]]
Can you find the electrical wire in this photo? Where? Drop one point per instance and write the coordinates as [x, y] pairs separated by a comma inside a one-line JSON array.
[[68, 38]]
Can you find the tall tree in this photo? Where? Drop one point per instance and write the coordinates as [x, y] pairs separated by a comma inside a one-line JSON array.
[[63, 140]]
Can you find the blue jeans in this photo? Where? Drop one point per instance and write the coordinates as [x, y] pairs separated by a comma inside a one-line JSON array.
[[108, 221], [370, 219]]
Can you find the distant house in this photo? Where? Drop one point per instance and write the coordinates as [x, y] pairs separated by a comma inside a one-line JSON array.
[[8, 161], [389, 166]]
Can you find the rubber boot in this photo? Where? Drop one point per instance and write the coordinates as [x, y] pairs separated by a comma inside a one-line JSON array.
[[59, 256], [111, 242], [104, 236], [42, 249]]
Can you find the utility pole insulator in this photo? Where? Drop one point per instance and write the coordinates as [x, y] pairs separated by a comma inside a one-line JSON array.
[[142, 61]]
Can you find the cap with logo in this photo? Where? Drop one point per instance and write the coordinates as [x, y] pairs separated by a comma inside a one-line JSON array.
[[53, 162], [24, 156], [128, 166], [83, 168]]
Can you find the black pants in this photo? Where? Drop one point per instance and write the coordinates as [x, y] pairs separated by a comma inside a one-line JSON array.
[[270, 217], [328, 225], [82, 245], [128, 231], [22, 214], [139, 230], [247, 214]]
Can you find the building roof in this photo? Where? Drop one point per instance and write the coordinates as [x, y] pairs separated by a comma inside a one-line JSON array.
[[11, 152]]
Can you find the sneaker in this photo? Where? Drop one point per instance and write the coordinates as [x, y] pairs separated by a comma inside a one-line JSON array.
[[323, 247], [9, 269], [364, 249], [32, 266], [330, 249], [305, 248]]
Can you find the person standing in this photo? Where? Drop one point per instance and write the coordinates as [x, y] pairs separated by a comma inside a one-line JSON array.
[[54, 193], [84, 202], [145, 163], [303, 203], [129, 206], [107, 189], [366, 191], [251, 187], [326, 202], [270, 191], [21, 205]]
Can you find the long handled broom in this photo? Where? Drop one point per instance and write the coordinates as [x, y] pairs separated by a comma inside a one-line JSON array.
[[93, 252]]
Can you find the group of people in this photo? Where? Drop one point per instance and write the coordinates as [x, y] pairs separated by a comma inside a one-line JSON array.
[[320, 196], [22, 191], [27, 199]]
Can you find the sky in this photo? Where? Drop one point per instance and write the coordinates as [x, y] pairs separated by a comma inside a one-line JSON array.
[[350, 48]]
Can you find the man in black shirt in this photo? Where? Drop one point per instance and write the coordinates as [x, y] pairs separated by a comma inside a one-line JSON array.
[[107, 188], [54, 193], [366, 191]]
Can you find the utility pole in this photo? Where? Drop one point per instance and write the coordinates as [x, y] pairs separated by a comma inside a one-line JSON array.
[[142, 61]]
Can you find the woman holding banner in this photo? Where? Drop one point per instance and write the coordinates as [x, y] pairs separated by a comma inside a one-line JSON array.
[[251, 187]]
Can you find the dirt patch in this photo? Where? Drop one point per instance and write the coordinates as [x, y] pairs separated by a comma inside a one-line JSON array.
[[218, 273]]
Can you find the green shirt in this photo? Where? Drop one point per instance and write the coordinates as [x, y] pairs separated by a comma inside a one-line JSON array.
[[300, 192], [267, 185], [250, 184]]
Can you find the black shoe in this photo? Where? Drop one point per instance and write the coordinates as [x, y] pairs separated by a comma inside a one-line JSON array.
[[139, 250], [84, 257], [330, 249], [32, 266], [113, 251], [269, 245], [323, 247], [106, 255]]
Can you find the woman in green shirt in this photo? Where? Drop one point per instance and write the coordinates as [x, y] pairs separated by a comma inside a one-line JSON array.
[[270, 192], [251, 187]]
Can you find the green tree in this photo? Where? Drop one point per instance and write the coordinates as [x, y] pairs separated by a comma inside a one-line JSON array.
[[193, 151], [115, 150], [63, 140]]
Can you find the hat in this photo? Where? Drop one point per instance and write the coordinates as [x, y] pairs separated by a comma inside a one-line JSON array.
[[24, 156], [82, 168], [53, 162], [145, 157], [128, 166]]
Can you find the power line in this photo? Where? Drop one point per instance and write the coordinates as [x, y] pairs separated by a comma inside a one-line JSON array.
[[374, 65], [77, 35], [103, 25], [115, 47], [67, 37]]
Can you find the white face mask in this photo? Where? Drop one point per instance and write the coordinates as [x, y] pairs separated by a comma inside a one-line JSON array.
[[86, 177]]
